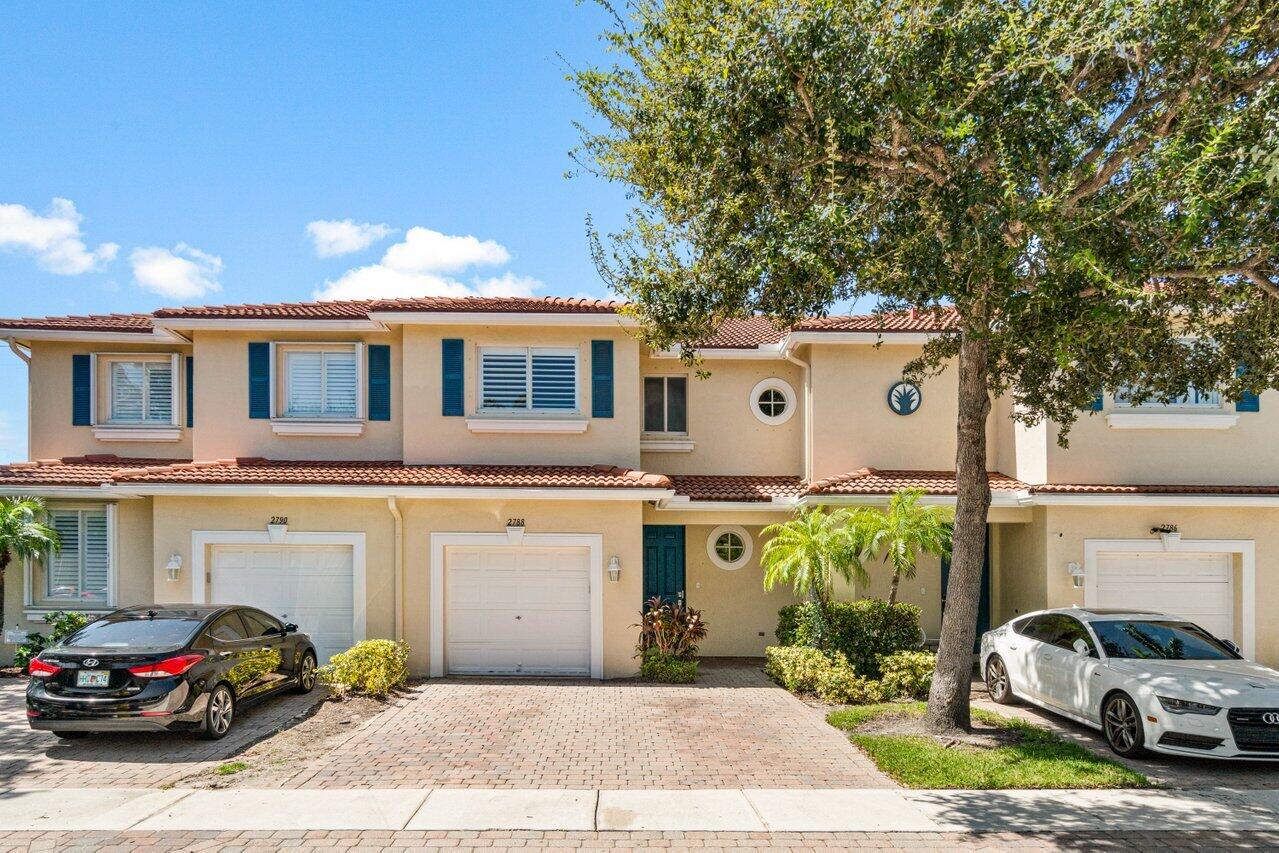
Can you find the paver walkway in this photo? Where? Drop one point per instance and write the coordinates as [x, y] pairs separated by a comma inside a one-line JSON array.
[[32, 759], [733, 729]]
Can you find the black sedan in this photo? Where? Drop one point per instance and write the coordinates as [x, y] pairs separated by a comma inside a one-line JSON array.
[[167, 667]]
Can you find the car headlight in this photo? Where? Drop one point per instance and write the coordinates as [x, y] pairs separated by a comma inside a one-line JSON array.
[[1185, 706]]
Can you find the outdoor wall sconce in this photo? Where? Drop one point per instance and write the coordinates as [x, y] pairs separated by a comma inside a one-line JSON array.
[[614, 568], [174, 568], [1076, 573]]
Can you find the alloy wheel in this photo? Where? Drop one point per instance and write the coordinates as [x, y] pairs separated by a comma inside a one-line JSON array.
[[1122, 724], [996, 679], [307, 676], [221, 711]]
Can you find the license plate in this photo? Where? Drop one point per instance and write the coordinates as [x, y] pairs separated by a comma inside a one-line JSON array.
[[93, 678]]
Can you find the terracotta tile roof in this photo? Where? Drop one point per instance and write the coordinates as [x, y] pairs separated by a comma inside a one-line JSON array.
[[360, 309], [257, 471], [871, 481], [736, 488], [340, 310], [744, 333], [1150, 489], [70, 471], [140, 323], [939, 320]]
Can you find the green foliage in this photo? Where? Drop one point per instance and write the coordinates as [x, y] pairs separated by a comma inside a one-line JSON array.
[[230, 768], [808, 671], [907, 675], [900, 533], [23, 533], [370, 667], [809, 552], [1034, 758], [62, 624], [862, 630], [671, 628], [656, 665]]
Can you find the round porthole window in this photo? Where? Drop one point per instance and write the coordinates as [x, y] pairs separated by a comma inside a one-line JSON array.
[[729, 547], [773, 401]]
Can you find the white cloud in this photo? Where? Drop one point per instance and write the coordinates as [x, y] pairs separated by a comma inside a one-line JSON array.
[[184, 272], [418, 266], [54, 238], [334, 237]]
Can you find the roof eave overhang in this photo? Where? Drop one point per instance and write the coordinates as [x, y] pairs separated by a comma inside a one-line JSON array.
[[264, 324], [1148, 499], [499, 318], [155, 336], [379, 491], [63, 492], [683, 502]]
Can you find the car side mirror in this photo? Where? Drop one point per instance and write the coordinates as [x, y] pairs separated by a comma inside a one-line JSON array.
[[1081, 648], [290, 628], [1230, 645]]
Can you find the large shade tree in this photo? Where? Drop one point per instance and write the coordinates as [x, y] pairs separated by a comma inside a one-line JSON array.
[[1091, 187]]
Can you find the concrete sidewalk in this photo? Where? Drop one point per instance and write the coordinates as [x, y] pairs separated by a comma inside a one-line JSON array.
[[751, 810]]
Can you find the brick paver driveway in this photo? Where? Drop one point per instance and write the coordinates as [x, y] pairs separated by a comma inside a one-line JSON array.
[[733, 729], [31, 759]]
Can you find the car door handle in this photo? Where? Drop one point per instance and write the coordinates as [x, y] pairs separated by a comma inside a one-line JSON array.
[[1012, 648]]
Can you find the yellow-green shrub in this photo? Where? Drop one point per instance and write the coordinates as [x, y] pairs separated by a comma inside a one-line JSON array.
[[796, 668], [370, 667], [839, 684], [907, 675]]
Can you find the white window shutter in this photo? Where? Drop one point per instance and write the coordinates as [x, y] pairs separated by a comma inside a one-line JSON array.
[[341, 384], [554, 380], [97, 556], [305, 382], [127, 379], [159, 388], [504, 379], [63, 569]]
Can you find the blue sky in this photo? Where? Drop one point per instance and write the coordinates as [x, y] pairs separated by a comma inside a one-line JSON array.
[[200, 141]]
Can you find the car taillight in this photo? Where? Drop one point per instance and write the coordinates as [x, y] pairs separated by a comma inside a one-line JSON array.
[[39, 669], [166, 668]]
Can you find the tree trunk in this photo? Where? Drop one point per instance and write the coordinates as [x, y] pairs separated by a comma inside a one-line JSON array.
[[892, 589], [948, 698]]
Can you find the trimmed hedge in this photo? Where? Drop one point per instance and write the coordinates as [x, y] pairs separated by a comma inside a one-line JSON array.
[[370, 667], [862, 631], [668, 669], [908, 675], [805, 670]]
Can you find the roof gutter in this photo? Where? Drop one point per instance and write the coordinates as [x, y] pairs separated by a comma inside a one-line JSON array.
[[25, 355], [127, 487]]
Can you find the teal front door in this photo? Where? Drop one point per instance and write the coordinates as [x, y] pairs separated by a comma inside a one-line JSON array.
[[664, 562], [983, 603]]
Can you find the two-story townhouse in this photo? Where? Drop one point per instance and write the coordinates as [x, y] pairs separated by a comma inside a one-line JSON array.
[[502, 482]]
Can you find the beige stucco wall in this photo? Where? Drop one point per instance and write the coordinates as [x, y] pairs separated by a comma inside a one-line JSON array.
[[51, 435], [133, 581], [728, 438], [1243, 454], [1018, 573], [225, 430], [431, 437]]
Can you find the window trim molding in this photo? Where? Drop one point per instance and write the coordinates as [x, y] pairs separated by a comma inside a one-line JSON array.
[[748, 545], [659, 442], [279, 386], [491, 423], [176, 386], [778, 384], [666, 378], [1214, 418], [527, 413], [29, 599]]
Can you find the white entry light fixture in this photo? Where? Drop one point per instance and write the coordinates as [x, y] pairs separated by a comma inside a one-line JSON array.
[[174, 567], [614, 568], [1076, 573]]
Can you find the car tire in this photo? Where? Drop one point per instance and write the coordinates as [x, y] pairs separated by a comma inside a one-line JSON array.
[[71, 735], [1121, 723], [219, 713], [306, 674], [997, 683]]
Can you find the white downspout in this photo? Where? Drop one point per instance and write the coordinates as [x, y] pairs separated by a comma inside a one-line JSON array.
[[399, 567], [25, 355], [808, 412], [18, 351]]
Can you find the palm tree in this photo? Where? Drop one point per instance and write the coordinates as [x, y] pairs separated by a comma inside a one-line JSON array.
[[901, 533], [809, 552], [23, 532]]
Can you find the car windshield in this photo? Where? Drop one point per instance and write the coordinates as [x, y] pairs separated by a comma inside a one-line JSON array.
[[1141, 639], [139, 631]]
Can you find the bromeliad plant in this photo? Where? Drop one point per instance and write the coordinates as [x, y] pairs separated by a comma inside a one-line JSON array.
[[669, 635]]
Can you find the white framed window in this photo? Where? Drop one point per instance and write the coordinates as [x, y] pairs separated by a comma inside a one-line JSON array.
[[320, 381], [666, 405], [1192, 399], [528, 379], [82, 569], [729, 547], [773, 401], [141, 390]]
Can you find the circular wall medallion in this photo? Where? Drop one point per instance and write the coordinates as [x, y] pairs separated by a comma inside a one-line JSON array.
[[904, 398], [729, 546]]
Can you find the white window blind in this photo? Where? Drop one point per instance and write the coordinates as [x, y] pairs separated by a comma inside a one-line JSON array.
[[141, 392], [81, 570], [536, 379], [1192, 399], [321, 383]]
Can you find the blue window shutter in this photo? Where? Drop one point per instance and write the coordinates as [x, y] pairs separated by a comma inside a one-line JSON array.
[[259, 379], [379, 382], [190, 365], [1098, 402], [601, 379], [81, 389], [1248, 401], [453, 386]]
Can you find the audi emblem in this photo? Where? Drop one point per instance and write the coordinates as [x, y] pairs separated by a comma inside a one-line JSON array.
[[1270, 718], [92, 662]]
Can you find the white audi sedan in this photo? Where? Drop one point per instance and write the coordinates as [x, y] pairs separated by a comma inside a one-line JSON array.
[[1148, 681]]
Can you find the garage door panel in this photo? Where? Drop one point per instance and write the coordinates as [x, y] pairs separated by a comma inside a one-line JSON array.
[[310, 586], [517, 610], [1198, 587]]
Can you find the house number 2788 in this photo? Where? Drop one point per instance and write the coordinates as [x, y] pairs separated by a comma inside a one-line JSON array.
[[515, 522]]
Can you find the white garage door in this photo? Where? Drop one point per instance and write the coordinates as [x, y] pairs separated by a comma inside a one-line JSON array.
[[308, 585], [517, 610], [1199, 587]]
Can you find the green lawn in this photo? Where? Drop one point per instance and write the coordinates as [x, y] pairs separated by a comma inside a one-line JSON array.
[[1040, 760]]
